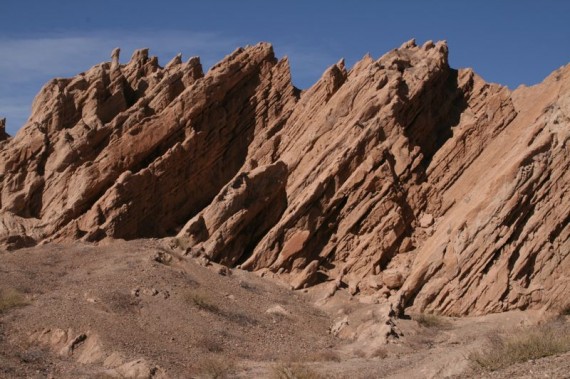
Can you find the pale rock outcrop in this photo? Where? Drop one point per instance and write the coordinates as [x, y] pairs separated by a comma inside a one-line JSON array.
[[115, 59], [87, 349]]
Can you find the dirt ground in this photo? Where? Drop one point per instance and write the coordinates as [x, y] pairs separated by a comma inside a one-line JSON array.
[[140, 309]]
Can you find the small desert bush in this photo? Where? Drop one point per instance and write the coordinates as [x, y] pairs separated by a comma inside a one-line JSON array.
[[360, 353], [202, 301], [214, 368], [122, 303], [431, 321], [210, 344], [294, 370], [11, 298], [105, 375], [325, 356], [380, 353], [240, 318], [33, 355], [565, 310], [523, 344], [249, 287]]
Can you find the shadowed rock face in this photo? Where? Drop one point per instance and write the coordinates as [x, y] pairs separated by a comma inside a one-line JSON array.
[[400, 176], [3, 135]]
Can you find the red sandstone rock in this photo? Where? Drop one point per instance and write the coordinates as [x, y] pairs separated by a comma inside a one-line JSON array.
[[398, 165]]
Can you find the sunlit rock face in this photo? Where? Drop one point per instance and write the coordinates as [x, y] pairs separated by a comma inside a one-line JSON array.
[[400, 177]]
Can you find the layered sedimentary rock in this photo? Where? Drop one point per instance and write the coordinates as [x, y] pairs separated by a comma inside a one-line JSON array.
[[400, 176]]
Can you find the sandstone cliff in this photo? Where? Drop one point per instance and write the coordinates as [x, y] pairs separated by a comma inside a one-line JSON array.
[[400, 177]]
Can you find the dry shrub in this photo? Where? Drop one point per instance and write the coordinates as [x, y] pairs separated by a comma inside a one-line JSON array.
[[325, 356], [210, 344], [11, 298], [431, 321], [278, 317], [105, 375], [33, 355], [162, 257], [122, 303], [214, 368], [249, 287], [360, 353], [240, 318], [523, 344], [202, 301], [294, 370], [380, 353], [565, 310]]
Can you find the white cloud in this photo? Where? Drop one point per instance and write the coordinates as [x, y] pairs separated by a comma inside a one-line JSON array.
[[46, 55], [26, 64]]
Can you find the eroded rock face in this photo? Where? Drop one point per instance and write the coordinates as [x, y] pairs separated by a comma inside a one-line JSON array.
[[456, 189], [239, 216]]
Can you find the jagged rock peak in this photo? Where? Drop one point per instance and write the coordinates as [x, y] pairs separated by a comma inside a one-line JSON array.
[[115, 54], [177, 60], [400, 178], [3, 135], [409, 44], [140, 55]]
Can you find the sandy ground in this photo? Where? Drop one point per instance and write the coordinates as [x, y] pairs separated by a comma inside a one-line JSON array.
[[140, 309]]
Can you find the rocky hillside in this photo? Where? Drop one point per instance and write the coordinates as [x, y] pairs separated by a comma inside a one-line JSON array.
[[400, 178]]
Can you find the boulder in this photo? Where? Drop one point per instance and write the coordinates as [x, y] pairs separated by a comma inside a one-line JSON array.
[[393, 279]]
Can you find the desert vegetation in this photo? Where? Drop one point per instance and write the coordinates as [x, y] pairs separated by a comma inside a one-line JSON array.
[[11, 298], [294, 370], [565, 310], [523, 344], [431, 321], [201, 301], [214, 368]]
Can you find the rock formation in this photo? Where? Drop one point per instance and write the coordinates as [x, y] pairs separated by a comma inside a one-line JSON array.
[[115, 58], [401, 176], [3, 135]]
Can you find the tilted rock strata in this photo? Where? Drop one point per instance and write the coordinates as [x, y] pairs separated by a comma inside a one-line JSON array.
[[400, 176], [240, 214], [503, 241]]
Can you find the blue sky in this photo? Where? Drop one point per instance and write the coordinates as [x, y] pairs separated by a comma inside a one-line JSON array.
[[505, 41]]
